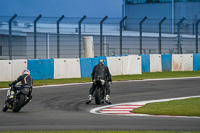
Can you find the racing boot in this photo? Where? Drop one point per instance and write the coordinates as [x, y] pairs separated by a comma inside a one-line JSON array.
[[11, 95], [89, 99], [108, 99]]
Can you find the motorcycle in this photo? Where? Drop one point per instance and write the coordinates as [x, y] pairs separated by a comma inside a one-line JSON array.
[[100, 91], [19, 100]]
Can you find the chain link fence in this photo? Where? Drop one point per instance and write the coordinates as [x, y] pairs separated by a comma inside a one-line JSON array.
[[24, 37]]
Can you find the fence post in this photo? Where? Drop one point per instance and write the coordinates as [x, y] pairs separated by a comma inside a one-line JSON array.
[[121, 23], [58, 36], [141, 22], [197, 26], [10, 35], [101, 32], [160, 24], [79, 26], [35, 36], [179, 35]]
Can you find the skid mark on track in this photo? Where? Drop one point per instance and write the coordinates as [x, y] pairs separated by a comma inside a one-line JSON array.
[[124, 109]]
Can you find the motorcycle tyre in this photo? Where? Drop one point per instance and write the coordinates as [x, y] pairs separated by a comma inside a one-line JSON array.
[[4, 109], [20, 103], [98, 96]]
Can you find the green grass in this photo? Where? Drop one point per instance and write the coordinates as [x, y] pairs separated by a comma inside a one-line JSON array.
[[103, 132], [185, 107], [155, 75]]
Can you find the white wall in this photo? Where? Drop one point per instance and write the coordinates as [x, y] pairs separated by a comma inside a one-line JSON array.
[[132, 64], [10, 70], [115, 65], [155, 63], [18, 67], [66, 68], [6, 70], [182, 62]]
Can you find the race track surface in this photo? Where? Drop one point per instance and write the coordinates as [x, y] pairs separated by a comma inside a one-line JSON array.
[[64, 108]]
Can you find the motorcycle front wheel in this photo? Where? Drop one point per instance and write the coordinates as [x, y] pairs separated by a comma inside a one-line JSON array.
[[19, 103]]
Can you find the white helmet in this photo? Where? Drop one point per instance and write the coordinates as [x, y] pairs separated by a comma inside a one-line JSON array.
[[26, 72]]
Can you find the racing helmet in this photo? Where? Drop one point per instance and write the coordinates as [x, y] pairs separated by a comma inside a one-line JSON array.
[[101, 61], [26, 72]]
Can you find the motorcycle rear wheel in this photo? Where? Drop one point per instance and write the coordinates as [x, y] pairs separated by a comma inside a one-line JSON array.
[[98, 96]]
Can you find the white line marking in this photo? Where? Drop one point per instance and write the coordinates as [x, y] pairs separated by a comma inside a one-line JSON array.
[[105, 110]]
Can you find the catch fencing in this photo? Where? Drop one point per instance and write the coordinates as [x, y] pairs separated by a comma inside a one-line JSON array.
[[61, 37]]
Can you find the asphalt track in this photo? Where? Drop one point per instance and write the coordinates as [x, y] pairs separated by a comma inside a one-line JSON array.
[[64, 108]]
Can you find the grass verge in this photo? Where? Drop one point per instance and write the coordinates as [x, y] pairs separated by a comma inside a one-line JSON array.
[[154, 75], [102, 132], [185, 107]]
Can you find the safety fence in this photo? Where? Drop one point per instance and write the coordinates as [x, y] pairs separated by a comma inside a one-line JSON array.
[[61, 37], [82, 67]]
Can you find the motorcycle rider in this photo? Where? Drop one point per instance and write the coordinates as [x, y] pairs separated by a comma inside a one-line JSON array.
[[26, 82], [103, 71]]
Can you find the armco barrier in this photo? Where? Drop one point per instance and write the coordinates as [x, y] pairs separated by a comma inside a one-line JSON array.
[[41, 69], [155, 63], [66, 68], [145, 63], [166, 62], [182, 62], [87, 64], [131, 64], [115, 65], [196, 62]]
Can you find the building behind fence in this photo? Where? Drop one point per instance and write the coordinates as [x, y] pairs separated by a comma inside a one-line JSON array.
[[61, 37]]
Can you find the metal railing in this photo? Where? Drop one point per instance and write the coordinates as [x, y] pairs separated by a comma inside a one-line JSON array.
[[61, 37]]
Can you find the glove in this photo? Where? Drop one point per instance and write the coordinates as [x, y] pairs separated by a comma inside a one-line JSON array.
[[10, 84], [110, 80]]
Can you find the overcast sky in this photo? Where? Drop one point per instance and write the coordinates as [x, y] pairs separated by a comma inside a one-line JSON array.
[[56, 8]]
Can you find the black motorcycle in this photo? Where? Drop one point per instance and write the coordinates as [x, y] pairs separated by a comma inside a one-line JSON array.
[[19, 100], [100, 91]]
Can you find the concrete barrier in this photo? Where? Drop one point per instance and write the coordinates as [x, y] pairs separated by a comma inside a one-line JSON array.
[[155, 63], [41, 69], [18, 67], [145, 63], [131, 64], [115, 65], [166, 60], [86, 67], [87, 64], [66, 68], [60, 68], [11, 69], [183, 62], [6, 70], [73, 68], [196, 62]]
